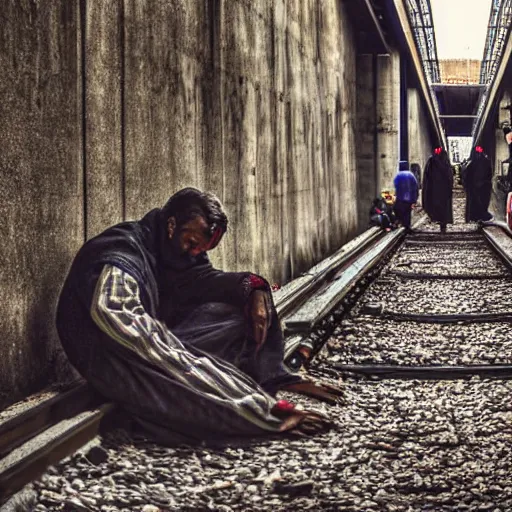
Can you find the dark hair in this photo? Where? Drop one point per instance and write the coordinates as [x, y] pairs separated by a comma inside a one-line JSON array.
[[188, 203]]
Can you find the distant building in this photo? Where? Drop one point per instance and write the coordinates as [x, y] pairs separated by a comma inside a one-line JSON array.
[[459, 71]]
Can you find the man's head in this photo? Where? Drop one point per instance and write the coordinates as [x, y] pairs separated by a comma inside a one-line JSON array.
[[194, 221]]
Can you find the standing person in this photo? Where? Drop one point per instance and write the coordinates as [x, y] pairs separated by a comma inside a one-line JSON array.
[[190, 352], [406, 192], [478, 186], [437, 189]]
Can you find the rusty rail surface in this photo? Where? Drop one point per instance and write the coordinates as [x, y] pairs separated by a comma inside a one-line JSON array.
[[44, 434]]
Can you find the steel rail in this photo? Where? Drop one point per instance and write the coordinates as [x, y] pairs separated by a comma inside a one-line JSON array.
[[18, 429], [494, 242], [319, 305], [427, 276], [297, 340], [31, 459], [292, 294], [505, 316], [433, 372]]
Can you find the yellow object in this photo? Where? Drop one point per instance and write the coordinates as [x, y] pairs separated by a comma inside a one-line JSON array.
[[388, 196]]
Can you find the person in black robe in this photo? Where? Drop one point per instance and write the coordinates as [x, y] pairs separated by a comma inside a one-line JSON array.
[[190, 352], [437, 188], [478, 186]]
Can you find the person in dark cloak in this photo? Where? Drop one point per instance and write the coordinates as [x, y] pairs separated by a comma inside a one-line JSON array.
[[478, 186], [438, 188], [190, 352]]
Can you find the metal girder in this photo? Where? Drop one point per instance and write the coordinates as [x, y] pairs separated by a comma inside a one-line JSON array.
[[497, 53], [421, 20], [403, 16], [497, 31]]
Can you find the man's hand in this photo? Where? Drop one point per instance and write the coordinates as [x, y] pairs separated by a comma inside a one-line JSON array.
[[259, 312]]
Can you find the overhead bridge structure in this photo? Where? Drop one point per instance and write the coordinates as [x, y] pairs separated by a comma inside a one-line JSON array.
[[463, 98]]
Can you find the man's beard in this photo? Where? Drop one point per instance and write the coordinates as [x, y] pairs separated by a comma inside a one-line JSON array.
[[174, 256]]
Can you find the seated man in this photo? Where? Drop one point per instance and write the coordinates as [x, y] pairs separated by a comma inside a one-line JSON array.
[[191, 352], [381, 211]]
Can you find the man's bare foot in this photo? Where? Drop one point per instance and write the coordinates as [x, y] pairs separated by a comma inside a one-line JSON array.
[[324, 392]]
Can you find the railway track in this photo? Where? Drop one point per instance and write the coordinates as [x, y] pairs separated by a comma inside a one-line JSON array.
[[56, 427], [371, 327]]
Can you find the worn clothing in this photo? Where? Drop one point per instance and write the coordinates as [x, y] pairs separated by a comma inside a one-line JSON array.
[[403, 210], [478, 186], [406, 187], [438, 189], [197, 377], [381, 214]]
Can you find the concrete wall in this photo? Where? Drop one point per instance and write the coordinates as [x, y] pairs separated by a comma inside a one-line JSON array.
[[388, 118], [420, 143], [378, 127], [41, 181], [366, 147], [109, 107]]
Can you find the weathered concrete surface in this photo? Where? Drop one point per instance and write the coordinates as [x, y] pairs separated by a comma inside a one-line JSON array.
[[388, 118], [367, 173], [255, 101], [40, 181], [420, 142], [103, 73]]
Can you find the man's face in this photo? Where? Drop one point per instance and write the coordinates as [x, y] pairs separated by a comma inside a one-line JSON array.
[[192, 238], [388, 197]]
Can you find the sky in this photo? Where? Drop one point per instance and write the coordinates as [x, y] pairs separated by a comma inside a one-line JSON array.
[[460, 27]]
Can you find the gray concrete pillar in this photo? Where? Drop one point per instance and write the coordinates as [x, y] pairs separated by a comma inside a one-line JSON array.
[[388, 118], [420, 143], [367, 186]]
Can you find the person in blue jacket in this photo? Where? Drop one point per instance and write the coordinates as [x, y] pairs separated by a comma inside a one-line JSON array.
[[406, 191]]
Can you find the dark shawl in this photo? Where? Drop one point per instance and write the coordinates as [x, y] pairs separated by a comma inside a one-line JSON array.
[[169, 290]]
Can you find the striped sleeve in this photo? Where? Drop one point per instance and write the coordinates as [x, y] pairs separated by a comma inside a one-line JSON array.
[[118, 311]]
